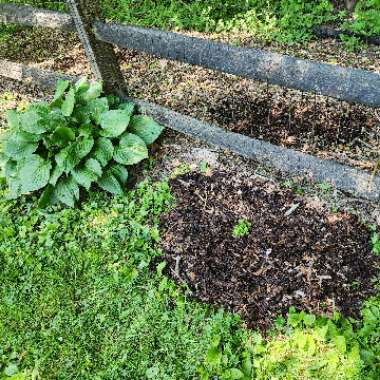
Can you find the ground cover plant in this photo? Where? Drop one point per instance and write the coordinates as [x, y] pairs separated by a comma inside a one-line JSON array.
[[78, 139], [285, 21], [84, 295]]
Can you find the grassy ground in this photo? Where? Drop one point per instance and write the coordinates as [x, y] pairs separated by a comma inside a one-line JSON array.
[[285, 21], [84, 295]]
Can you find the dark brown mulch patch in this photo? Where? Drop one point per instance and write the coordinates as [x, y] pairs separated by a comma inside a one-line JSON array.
[[312, 259], [301, 124]]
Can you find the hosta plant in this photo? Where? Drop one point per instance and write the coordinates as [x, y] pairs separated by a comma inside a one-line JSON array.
[[79, 139]]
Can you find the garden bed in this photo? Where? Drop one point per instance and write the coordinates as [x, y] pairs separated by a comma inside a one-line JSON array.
[[297, 253], [312, 124]]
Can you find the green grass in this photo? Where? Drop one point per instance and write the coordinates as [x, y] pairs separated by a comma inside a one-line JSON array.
[[285, 21], [80, 298]]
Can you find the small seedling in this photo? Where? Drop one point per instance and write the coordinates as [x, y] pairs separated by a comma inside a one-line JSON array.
[[325, 186], [243, 228], [356, 284], [181, 170], [204, 166], [375, 240]]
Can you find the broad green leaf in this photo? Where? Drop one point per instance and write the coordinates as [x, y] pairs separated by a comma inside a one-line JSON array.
[[13, 119], [83, 146], [56, 174], [309, 319], [69, 103], [68, 158], [11, 369], [42, 108], [54, 120], [62, 86], [131, 150], [67, 191], [63, 135], [17, 146], [14, 187], [97, 107], [340, 342], [85, 130], [128, 107], [34, 173], [30, 122], [10, 168], [120, 172], [108, 182], [47, 197], [93, 166], [84, 177], [114, 123], [94, 91], [82, 85], [103, 150], [146, 128], [81, 115]]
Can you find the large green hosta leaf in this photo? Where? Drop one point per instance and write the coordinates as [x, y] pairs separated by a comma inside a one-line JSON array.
[[56, 174], [30, 122], [120, 172], [128, 107], [94, 167], [146, 128], [67, 191], [13, 119], [19, 145], [33, 172], [62, 136], [114, 123], [69, 103], [97, 107], [131, 150], [47, 197], [62, 86], [103, 150], [54, 120], [68, 158], [109, 182], [84, 177], [93, 91]]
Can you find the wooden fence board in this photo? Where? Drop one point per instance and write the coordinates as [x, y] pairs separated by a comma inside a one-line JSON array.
[[102, 57]]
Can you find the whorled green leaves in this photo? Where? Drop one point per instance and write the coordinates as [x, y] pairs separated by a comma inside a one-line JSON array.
[[77, 140]]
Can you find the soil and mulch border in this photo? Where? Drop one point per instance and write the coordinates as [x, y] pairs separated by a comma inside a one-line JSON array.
[[296, 252]]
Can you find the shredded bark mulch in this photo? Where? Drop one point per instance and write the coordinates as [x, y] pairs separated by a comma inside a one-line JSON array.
[[296, 254]]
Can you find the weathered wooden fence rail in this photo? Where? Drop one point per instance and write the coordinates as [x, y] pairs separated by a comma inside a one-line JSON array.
[[351, 85], [346, 84]]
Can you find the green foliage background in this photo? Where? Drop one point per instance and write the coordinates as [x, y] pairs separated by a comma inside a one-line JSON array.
[[81, 298], [284, 21]]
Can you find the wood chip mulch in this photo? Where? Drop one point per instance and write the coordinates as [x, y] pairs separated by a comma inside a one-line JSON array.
[[296, 254]]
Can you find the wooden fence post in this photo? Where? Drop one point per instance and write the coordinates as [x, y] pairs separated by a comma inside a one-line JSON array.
[[102, 57]]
